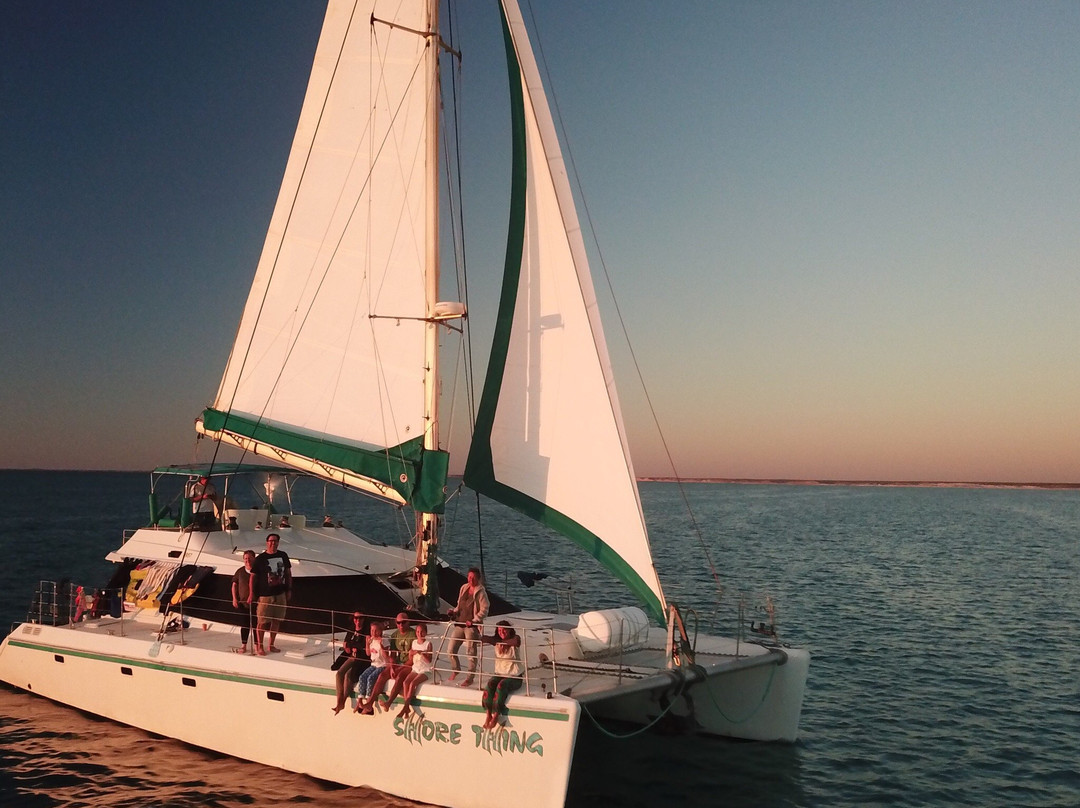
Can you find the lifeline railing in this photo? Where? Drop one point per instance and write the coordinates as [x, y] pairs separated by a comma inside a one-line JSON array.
[[67, 604], [57, 605], [441, 664]]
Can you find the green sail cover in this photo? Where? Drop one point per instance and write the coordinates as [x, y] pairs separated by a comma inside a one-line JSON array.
[[418, 475], [549, 440]]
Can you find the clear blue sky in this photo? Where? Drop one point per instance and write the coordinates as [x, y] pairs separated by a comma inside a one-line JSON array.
[[845, 237]]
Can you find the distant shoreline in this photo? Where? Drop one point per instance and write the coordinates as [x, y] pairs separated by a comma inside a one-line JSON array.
[[731, 481], [863, 483]]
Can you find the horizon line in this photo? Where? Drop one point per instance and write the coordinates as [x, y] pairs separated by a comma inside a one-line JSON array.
[[806, 481]]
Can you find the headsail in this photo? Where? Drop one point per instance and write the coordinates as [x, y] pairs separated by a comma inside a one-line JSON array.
[[549, 439], [327, 370]]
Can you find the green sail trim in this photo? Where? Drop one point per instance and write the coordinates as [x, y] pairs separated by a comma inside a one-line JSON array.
[[479, 470], [418, 475]]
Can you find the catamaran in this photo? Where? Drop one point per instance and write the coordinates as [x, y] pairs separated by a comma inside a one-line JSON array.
[[334, 375]]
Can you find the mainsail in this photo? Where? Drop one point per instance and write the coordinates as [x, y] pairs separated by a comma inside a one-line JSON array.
[[549, 439], [327, 369]]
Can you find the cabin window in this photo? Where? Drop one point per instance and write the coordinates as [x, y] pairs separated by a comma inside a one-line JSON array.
[[125, 670], [58, 657], [188, 681], [270, 694]]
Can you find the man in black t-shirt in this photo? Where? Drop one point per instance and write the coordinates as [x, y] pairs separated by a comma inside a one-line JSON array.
[[271, 583]]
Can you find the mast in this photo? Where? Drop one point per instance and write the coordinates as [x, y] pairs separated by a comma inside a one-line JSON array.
[[427, 524]]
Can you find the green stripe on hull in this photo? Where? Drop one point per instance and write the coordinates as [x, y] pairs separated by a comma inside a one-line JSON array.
[[257, 682]]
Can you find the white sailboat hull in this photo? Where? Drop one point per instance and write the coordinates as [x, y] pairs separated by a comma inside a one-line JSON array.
[[276, 710], [753, 698], [278, 713]]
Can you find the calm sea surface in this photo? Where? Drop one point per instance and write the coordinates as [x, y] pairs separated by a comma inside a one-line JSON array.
[[944, 626]]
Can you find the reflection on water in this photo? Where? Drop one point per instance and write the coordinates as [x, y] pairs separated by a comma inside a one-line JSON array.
[[51, 755], [646, 770], [942, 624]]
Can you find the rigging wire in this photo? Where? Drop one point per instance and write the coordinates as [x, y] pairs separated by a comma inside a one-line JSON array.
[[378, 147], [262, 303], [462, 265], [569, 154]]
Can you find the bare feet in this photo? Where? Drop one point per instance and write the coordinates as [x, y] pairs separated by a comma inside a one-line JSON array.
[[274, 649], [466, 682], [259, 650], [405, 712], [240, 650], [452, 676], [338, 709]]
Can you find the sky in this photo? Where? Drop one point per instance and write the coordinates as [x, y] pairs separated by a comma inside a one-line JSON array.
[[844, 237]]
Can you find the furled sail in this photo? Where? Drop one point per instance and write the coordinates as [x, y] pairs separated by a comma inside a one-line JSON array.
[[549, 439], [327, 370]]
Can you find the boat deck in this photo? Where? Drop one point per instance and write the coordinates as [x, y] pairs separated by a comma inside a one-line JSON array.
[[307, 659]]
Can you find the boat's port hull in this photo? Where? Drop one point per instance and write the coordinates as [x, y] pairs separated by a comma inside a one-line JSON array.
[[279, 713]]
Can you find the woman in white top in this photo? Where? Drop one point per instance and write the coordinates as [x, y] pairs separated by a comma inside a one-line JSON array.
[[508, 670], [420, 660]]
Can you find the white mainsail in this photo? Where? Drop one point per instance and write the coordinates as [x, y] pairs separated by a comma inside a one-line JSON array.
[[328, 362], [550, 439]]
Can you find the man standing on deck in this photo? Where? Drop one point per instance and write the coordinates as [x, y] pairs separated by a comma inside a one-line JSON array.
[[472, 607], [271, 583], [204, 504]]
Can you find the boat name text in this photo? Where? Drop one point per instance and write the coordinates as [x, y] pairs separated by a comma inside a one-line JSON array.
[[419, 730]]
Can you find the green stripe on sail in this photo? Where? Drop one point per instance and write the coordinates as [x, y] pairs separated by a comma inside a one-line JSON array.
[[479, 474], [479, 470], [580, 535], [418, 475]]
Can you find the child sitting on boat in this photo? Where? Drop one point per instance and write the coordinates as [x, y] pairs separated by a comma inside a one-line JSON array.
[[379, 659], [420, 661]]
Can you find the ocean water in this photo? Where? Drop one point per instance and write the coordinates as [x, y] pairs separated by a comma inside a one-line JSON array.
[[944, 625]]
